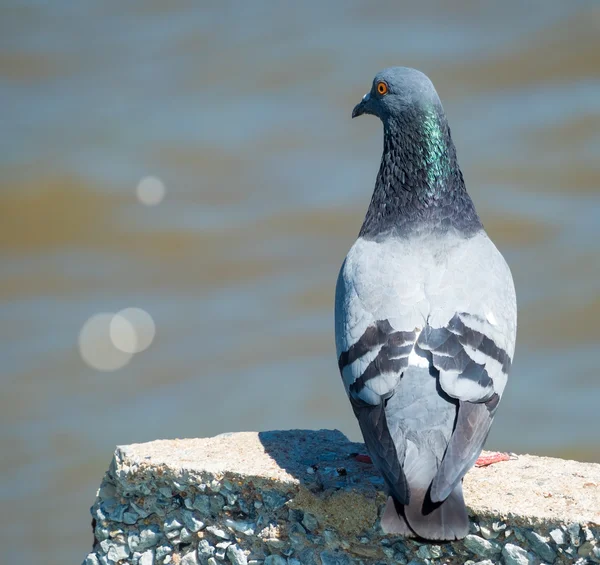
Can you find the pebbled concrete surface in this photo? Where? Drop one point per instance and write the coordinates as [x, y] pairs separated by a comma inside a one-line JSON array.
[[300, 496], [535, 488]]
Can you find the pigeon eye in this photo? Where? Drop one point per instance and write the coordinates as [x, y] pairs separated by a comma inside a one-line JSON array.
[[382, 88]]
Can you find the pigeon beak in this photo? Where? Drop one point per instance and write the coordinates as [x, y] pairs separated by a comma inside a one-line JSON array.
[[361, 107]]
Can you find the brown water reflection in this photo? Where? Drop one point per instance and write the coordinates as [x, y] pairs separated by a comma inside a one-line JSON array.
[[244, 114], [560, 53]]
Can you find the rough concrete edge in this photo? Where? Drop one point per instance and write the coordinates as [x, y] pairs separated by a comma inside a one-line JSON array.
[[130, 476], [326, 505]]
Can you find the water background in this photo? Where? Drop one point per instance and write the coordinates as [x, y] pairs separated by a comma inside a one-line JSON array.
[[243, 111]]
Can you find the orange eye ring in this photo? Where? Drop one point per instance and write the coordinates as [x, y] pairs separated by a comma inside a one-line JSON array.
[[382, 88]]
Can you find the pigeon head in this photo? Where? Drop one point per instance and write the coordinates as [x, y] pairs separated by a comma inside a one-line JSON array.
[[396, 91], [419, 186]]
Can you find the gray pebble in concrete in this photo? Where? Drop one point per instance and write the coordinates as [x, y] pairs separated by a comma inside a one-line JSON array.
[[142, 512], [115, 550], [202, 504], [488, 533], [515, 555], [147, 538], [130, 518], [117, 514], [331, 538], [481, 547], [295, 515], [172, 524], [190, 558], [242, 526], [162, 551], [147, 558], [218, 532], [192, 523], [275, 560], [101, 532], [236, 555], [574, 530], [540, 546], [186, 536], [91, 559], [273, 500], [216, 503], [205, 550], [558, 536], [310, 522], [586, 549]]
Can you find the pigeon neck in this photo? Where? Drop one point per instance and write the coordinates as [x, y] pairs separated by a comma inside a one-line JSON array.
[[419, 187]]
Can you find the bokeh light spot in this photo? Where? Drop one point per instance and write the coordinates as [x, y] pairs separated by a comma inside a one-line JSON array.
[[150, 191], [132, 330], [123, 334], [96, 346]]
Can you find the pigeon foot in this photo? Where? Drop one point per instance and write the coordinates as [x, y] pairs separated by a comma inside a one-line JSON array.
[[491, 458], [482, 461]]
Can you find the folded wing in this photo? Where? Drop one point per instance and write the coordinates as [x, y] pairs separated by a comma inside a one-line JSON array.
[[473, 369], [371, 369]]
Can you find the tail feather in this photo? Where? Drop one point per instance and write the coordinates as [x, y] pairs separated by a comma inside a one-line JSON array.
[[422, 518], [420, 420], [393, 520]]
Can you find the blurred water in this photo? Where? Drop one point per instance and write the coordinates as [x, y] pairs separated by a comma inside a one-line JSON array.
[[243, 111]]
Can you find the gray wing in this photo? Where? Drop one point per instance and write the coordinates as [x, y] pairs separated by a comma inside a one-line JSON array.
[[470, 337], [371, 367], [473, 369], [380, 443], [374, 338]]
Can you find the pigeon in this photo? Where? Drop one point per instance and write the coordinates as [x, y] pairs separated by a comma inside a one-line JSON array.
[[425, 316]]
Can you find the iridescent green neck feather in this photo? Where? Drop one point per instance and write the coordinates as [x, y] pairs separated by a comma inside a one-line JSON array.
[[419, 187]]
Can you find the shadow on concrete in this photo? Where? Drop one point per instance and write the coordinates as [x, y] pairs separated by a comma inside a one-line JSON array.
[[320, 459]]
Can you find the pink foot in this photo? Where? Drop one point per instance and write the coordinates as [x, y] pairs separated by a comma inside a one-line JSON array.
[[491, 458], [483, 461]]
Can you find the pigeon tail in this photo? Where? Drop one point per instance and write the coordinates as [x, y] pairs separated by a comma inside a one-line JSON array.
[[393, 520], [442, 521]]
